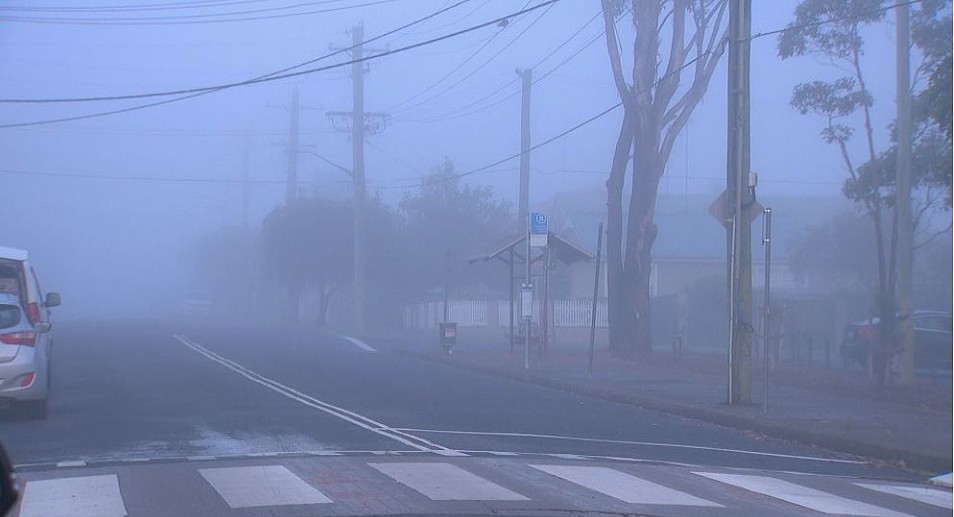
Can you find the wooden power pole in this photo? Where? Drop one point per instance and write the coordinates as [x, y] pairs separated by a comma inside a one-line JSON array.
[[905, 231], [361, 123], [739, 204]]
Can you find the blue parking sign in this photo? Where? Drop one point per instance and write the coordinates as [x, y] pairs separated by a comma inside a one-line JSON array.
[[539, 230], [538, 223]]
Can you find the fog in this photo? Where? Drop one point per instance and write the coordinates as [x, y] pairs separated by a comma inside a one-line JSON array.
[[106, 206]]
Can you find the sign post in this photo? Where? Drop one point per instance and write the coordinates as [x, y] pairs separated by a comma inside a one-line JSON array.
[[537, 233], [539, 230]]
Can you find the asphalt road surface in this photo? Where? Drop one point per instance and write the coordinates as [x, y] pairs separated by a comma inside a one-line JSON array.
[[152, 418]]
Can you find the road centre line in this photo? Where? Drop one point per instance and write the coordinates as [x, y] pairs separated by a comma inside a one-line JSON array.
[[360, 344], [627, 442], [344, 414]]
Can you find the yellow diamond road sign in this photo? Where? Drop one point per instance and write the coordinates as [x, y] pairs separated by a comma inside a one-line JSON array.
[[718, 210]]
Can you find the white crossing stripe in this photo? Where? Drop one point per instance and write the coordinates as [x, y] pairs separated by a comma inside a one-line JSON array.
[[272, 485], [445, 482], [932, 496], [360, 344], [802, 496], [88, 496], [623, 486]]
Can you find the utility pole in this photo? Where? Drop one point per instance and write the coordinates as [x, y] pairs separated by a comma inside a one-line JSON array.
[[739, 201], [294, 146], [905, 230], [360, 122], [526, 75]]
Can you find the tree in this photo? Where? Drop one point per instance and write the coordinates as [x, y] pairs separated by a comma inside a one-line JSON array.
[[449, 222], [309, 243], [656, 108], [833, 31]]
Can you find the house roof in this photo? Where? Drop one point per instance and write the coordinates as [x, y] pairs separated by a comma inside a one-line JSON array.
[[566, 251], [687, 229]]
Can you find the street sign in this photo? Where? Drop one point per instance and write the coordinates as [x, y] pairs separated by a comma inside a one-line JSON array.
[[526, 301], [539, 229], [717, 209]]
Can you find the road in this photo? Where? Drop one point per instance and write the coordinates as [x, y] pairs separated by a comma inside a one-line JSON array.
[[179, 419]]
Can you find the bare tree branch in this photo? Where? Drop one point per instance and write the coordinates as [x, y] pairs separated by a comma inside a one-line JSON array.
[[666, 87], [931, 237], [612, 47]]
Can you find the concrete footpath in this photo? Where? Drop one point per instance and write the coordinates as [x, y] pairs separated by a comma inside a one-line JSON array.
[[834, 409]]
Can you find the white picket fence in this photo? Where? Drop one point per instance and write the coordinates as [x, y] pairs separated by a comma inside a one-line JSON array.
[[493, 313]]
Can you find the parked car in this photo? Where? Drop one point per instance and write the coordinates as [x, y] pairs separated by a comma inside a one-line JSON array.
[[932, 340], [26, 340]]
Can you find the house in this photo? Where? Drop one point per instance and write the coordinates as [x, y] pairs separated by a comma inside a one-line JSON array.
[[687, 281]]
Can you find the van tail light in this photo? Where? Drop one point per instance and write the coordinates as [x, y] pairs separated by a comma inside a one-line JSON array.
[[25, 338], [27, 379], [33, 312], [865, 332]]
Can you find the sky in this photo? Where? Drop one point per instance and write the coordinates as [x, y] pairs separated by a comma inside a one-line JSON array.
[[103, 200]]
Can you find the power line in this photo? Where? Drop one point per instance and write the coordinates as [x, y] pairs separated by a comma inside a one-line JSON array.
[[826, 22], [281, 74], [272, 77], [455, 69], [489, 168], [192, 19], [485, 168], [151, 179], [456, 113], [196, 4], [481, 66]]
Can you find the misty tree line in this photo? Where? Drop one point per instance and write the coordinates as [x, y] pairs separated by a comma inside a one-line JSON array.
[[414, 248]]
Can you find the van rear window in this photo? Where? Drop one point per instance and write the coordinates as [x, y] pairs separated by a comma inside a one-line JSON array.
[[9, 316]]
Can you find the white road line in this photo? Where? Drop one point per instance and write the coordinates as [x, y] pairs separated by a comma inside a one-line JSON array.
[[567, 456], [445, 482], [623, 486], [71, 464], [942, 480], [932, 496], [344, 414], [360, 344], [627, 442], [273, 485], [802, 496], [89, 496]]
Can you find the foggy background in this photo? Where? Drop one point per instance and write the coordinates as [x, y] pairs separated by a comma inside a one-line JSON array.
[[108, 206]]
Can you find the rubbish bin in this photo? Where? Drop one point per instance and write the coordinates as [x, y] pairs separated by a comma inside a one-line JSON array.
[[448, 335]]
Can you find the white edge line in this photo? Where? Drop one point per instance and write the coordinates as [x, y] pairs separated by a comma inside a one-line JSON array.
[[360, 344], [344, 414], [626, 442]]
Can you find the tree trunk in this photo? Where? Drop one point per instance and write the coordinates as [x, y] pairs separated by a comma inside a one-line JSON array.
[[642, 234], [619, 305]]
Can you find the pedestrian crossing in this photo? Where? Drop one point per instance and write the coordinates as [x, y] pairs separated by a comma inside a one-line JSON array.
[[353, 486]]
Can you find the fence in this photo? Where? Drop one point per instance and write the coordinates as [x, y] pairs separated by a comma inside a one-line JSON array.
[[493, 313]]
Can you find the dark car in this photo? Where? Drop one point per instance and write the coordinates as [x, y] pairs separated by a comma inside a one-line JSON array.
[[932, 340]]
